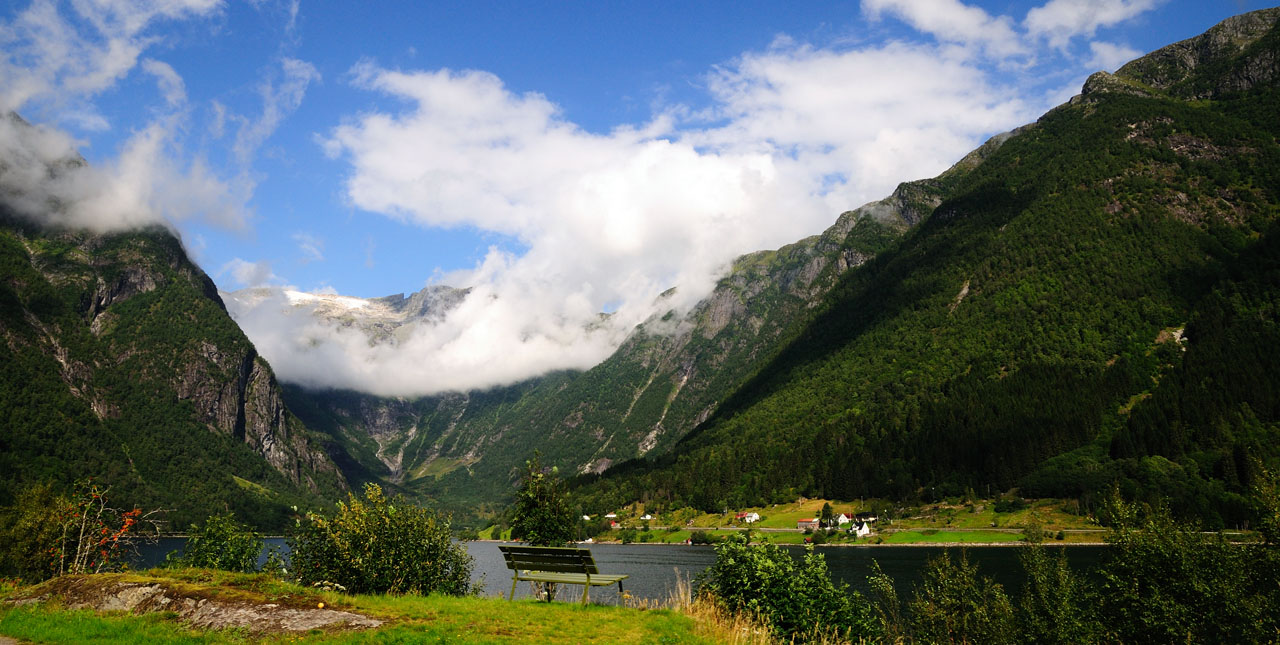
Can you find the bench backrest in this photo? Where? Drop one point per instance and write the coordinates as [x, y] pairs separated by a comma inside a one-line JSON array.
[[549, 558]]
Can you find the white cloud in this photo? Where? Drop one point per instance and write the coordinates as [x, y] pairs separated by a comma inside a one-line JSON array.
[[614, 219], [1110, 56], [171, 84], [952, 21], [250, 274], [1059, 21], [279, 100], [62, 61], [312, 247], [51, 57], [45, 179]]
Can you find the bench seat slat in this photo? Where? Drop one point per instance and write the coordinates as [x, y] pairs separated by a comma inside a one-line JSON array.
[[571, 578]]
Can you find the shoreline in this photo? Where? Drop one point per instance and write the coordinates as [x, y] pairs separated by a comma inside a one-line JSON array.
[[1010, 543]]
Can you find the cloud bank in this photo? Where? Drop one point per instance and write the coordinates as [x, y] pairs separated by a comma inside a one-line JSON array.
[[599, 221], [54, 63], [794, 136]]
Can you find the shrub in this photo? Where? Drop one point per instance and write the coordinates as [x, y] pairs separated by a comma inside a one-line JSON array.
[[222, 543], [1055, 606], [28, 531], [702, 537], [1009, 505], [797, 599], [377, 545], [953, 605]]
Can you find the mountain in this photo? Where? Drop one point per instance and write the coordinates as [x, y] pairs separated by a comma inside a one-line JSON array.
[[119, 361], [464, 450], [1094, 304]]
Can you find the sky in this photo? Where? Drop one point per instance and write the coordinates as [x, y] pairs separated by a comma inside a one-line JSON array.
[[560, 159]]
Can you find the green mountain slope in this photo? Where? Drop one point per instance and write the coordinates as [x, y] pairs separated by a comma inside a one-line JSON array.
[[464, 451], [118, 361], [1097, 276]]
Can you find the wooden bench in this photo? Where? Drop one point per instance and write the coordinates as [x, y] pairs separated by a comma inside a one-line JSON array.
[[561, 565]]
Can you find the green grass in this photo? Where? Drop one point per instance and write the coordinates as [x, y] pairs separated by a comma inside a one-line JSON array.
[[253, 488], [50, 625], [930, 536], [409, 619]]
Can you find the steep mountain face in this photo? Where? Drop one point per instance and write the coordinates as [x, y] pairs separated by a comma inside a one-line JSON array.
[[1094, 303], [672, 373], [119, 361]]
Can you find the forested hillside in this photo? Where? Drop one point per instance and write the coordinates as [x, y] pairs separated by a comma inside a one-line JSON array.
[[119, 362], [1094, 303], [465, 450]]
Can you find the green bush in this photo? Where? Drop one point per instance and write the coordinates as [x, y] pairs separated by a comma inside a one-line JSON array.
[[28, 531], [953, 605], [222, 543], [797, 599], [702, 537], [377, 545]]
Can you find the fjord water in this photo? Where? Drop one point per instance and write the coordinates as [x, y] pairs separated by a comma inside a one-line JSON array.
[[655, 568]]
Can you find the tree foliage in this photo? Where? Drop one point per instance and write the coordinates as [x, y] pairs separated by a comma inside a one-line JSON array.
[[379, 545], [541, 515], [222, 543], [797, 599]]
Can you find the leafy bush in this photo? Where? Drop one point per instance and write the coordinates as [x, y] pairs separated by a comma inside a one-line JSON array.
[[377, 545], [1009, 505], [1055, 606], [222, 543], [797, 599], [702, 537], [28, 531], [953, 605]]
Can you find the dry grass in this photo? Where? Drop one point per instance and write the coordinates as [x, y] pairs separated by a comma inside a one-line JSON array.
[[717, 624]]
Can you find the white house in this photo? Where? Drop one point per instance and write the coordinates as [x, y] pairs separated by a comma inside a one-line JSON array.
[[749, 518], [860, 529], [646, 517], [843, 519]]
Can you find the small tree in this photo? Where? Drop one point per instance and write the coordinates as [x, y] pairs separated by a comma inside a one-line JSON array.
[[94, 533], [827, 518], [222, 543], [542, 514]]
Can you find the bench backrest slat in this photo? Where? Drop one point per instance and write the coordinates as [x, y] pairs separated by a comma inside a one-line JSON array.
[[547, 558]]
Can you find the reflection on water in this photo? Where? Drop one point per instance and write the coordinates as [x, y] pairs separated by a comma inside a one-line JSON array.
[[654, 569]]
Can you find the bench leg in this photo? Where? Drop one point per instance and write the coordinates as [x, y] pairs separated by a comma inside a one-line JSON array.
[[514, 580], [619, 593], [586, 590]]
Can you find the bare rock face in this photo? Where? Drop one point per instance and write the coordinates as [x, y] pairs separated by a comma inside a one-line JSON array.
[[1174, 68], [84, 592], [182, 339]]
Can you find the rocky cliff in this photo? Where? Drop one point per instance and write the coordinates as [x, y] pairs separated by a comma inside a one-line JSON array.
[[152, 373]]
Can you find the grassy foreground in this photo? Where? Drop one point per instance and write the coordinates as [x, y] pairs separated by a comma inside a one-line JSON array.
[[407, 619]]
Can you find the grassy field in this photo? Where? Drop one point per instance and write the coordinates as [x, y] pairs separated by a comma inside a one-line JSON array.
[[408, 619], [954, 521]]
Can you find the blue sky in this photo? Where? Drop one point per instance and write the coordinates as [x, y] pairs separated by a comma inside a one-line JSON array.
[[562, 158]]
